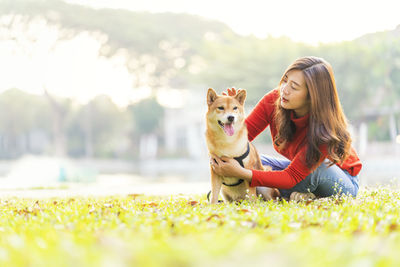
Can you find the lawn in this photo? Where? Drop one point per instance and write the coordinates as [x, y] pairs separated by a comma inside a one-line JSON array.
[[182, 230]]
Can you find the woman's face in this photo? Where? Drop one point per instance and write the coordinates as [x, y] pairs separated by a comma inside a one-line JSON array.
[[294, 93]]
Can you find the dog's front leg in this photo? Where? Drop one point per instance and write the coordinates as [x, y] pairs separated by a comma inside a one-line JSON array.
[[216, 184]]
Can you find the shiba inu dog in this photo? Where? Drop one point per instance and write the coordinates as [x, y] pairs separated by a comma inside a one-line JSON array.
[[226, 135]]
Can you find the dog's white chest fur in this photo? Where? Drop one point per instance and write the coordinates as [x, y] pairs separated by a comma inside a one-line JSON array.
[[229, 149]]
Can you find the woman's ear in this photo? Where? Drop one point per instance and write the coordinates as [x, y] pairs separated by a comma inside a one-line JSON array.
[[241, 96]]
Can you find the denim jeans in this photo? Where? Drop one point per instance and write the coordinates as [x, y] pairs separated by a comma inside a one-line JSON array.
[[322, 182]]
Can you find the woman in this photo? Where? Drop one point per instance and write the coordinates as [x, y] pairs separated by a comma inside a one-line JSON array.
[[309, 128]]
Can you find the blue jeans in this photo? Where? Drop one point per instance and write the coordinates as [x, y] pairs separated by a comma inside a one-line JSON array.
[[323, 182]]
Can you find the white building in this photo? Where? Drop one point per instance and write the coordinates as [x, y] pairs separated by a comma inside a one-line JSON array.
[[184, 121]]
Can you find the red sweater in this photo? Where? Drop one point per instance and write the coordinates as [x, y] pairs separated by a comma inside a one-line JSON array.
[[295, 151]]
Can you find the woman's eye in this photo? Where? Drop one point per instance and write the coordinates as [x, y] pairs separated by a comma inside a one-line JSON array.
[[221, 108], [235, 108]]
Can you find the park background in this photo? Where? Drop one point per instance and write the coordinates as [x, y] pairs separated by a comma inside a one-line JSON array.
[[109, 96]]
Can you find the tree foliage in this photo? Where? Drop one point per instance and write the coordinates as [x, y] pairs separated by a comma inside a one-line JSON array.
[[183, 51]]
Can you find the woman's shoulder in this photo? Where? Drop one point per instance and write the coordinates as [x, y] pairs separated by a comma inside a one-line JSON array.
[[271, 96]]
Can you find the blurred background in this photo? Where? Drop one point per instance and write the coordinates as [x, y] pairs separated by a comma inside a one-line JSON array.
[[111, 94]]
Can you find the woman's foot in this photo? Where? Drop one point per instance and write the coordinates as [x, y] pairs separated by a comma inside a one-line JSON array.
[[297, 196]]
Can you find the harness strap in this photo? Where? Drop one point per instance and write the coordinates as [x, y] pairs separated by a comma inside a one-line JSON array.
[[242, 157]]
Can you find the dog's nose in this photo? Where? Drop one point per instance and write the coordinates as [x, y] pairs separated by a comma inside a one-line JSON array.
[[231, 118]]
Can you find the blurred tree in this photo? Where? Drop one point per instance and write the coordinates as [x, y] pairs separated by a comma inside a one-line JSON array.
[[60, 111], [247, 62], [191, 52], [147, 116], [155, 52], [98, 129], [21, 114]]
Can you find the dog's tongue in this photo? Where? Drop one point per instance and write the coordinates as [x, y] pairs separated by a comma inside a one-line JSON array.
[[228, 128]]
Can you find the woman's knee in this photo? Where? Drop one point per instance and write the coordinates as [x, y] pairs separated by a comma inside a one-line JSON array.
[[328, 180], [274, 163], [335, 181]]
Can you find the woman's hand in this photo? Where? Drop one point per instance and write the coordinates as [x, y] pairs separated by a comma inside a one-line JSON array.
[[229, 167], [230, 92]]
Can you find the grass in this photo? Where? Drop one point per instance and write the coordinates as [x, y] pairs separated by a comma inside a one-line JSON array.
[[139, 230]]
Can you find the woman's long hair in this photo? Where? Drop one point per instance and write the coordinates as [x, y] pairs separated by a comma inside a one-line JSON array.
[[327, 122]]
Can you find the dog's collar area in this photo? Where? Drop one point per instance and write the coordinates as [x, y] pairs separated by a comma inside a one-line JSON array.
[[235, 184], [240, 160]]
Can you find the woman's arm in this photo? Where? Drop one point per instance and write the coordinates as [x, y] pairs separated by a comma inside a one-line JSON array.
[[260, 117], [285, 179], [289, 177]]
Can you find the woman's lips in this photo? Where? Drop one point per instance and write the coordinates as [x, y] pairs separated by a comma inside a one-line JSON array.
[[284, 100]]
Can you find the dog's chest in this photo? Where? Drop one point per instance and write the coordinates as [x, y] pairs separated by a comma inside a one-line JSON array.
[[229, 150]]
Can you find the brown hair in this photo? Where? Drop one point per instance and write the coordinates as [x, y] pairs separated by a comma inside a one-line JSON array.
[[327, 122]]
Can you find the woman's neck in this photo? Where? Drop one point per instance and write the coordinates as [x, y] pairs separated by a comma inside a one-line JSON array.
[[300, 112]]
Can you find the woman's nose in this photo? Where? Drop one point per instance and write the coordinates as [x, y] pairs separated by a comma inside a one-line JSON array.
[[284, 90]]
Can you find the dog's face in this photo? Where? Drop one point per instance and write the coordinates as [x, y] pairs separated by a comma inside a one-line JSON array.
[[225, 113]]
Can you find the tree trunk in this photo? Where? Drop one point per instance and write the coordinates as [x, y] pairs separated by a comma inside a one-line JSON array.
[[58, 126]]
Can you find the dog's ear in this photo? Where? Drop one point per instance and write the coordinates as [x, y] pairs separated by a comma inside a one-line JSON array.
[[241, 96], [211, 96]]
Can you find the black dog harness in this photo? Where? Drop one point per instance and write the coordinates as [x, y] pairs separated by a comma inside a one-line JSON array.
[[240, 160]]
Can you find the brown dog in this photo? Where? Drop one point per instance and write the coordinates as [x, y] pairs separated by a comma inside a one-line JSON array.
[[226, 135]]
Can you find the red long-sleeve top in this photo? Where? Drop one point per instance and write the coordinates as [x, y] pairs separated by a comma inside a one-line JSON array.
[[295, 151]]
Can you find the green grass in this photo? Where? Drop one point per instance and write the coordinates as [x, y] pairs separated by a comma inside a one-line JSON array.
[[185, 231]]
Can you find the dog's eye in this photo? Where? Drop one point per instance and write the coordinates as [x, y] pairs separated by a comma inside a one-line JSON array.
[[235, 108], [221, 108]]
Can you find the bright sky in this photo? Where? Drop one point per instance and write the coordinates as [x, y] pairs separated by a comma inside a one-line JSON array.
[[310, 21], [73, 68]]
